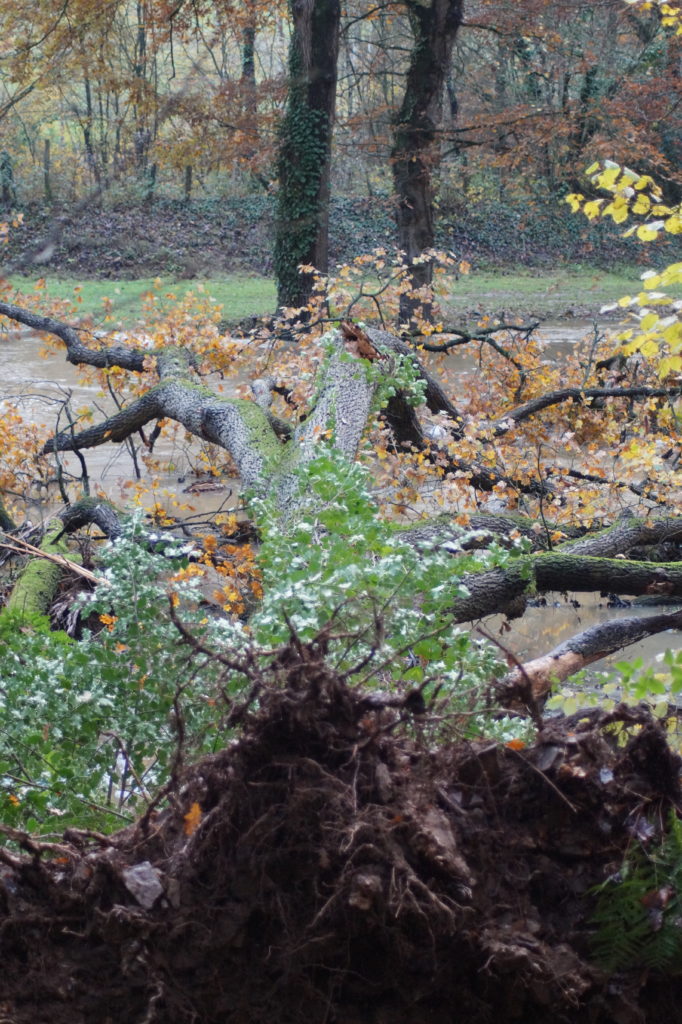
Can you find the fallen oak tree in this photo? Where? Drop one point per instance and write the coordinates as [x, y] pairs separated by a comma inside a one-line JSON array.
[[268, 456], [330, 861]]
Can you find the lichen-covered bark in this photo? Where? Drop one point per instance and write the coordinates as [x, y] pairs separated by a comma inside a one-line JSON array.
[[265, 462], [625, 534]]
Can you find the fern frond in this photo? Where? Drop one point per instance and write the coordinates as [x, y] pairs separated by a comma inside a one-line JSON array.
[[639, 912]]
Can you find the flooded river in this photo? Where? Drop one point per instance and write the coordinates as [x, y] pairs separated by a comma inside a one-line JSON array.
[[39, 388], [41, 385]]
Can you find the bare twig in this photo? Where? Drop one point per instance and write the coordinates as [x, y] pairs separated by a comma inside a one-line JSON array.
[[22, 547]]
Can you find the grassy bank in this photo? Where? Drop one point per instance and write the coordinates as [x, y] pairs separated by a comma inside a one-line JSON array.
[[239, 295], [572, 291]]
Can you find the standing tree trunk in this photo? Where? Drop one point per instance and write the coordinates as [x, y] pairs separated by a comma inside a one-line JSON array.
[[7, 190], [305, 148], [415, 146], [87, 126]]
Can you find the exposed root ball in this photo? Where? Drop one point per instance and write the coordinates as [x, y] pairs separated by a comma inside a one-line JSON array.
[[326, 869]]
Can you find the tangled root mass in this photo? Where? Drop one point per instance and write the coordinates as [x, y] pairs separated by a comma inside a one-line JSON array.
[[328, 868]]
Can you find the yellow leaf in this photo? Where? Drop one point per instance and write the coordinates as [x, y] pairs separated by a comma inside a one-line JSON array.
[[669, 364], [591, 210], [642, 204], [643, 182], [192, 819], [607, 179], [649, 349], [673, 225], [646, 234], [673, 336]]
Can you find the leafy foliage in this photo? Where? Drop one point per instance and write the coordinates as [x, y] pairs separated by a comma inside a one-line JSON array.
[[659, 316], [339, 562], [88, 728], [638, 910]]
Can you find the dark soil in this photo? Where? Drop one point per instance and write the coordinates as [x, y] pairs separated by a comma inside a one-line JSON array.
[[343, 870], [230, 235]]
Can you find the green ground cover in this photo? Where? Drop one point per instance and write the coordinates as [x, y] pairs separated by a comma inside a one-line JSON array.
[[239, 296], [572, 291], [569, 291]]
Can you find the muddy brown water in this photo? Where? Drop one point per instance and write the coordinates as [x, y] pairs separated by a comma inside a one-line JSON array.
[[39, 385]]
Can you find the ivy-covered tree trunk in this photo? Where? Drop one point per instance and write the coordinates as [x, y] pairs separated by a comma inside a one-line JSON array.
[[305, 148], [415, 144]]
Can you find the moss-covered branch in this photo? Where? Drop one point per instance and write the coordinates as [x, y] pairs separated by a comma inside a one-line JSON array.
[[494, 591], [37, 584]]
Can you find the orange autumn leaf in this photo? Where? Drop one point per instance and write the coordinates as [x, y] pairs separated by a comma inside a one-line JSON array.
[[515, 745], [192, 819]]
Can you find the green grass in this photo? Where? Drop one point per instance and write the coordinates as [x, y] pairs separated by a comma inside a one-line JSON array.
[[239, 296], [569, 291]]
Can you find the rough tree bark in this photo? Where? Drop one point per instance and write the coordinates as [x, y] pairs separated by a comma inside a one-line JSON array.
[[415, 141]]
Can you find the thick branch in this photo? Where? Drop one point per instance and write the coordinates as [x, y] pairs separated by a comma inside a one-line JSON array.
[[342, 405], [126, 357], [91, 511], [481, 528], [528, 409], [116, 429], [581, 650], [37, 584], [493, 591], [625, 534]]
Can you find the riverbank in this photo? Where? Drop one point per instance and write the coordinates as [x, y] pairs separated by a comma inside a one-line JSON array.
[[235, 235]]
